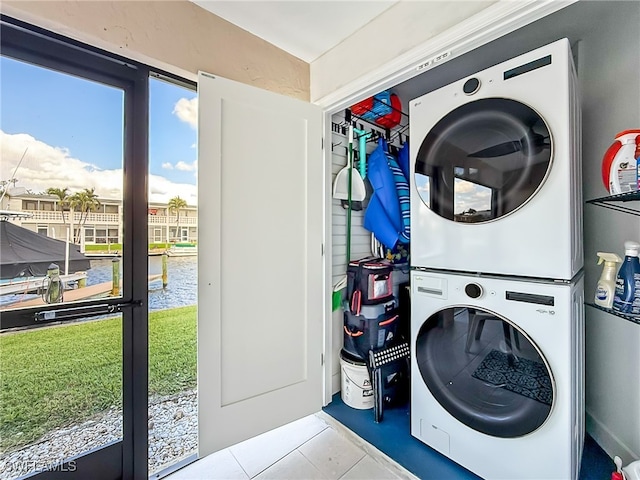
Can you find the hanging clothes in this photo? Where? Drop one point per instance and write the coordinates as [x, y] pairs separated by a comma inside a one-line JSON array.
[[388, 213], [403, 160]]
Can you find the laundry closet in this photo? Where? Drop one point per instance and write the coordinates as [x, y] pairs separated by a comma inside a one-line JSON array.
[[562, 293]]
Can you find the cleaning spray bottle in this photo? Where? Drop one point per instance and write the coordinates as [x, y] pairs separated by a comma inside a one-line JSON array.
[[606, 288], [627, 297]]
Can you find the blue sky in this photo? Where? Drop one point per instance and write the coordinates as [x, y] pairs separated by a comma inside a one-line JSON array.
[[73, 131]]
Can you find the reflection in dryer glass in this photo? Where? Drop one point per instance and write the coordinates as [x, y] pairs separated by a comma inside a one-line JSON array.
[[484, 371], [483, 160]]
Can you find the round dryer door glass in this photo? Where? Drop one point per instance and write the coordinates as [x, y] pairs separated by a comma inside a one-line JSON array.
[[485, 371], [483, 160]]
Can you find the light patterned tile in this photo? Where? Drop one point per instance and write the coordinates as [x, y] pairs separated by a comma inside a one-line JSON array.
[[292, 467], [368, 469], [331, 453], [217, 466], [258, 453]]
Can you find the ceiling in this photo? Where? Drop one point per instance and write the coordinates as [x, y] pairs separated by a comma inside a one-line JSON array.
[[305, 29]]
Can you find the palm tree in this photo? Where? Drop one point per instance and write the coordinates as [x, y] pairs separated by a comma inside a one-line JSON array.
[[63, 203], [175, 205], [85, 201]]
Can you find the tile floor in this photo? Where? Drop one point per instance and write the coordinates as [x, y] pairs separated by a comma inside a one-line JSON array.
[[314, 447]]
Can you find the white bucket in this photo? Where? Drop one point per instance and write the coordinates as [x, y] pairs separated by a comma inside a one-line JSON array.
[[356, 389]]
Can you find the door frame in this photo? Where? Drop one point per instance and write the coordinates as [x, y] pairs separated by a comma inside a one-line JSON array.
[[496, 21], [126, 458]]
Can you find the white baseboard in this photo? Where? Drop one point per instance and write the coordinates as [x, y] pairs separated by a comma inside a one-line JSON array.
[[611, 444]]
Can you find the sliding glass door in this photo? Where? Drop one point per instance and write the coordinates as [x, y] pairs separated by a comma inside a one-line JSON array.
[[73, 259]]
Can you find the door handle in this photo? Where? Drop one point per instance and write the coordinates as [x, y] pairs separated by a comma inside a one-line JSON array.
[[88, 311]]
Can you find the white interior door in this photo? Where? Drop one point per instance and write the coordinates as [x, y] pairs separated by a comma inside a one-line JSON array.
[[260, 320]]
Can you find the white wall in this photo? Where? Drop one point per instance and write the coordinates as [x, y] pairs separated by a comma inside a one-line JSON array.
[[394, 32], [610, 79], [176, 35]]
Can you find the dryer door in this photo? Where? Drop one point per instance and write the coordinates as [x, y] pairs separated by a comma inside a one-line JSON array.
[[485, 371], [483, 160]]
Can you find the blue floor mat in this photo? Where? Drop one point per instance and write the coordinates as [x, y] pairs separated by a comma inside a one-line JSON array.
[[393, 437]]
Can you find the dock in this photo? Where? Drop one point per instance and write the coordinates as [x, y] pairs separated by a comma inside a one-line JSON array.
[[35, 283], [100, 290]]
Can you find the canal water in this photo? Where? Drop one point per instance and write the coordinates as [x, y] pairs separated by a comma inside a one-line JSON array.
[[181, 291]]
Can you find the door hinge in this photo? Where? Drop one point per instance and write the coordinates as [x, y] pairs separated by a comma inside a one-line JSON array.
[[322, 359], [322, 249]]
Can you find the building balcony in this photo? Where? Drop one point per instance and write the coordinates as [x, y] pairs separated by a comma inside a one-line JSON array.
[[39, 216]]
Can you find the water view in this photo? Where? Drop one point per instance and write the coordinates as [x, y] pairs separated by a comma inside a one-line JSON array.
[[181, 290]]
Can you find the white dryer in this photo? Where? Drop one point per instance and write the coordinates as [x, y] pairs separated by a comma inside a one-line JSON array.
[[495, 170], [497, 373]]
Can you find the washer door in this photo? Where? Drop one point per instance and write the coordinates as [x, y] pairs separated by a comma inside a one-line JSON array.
[[483, 160], [485, 371]]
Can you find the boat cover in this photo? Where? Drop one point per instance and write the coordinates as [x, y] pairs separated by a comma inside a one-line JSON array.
[[24, 253]]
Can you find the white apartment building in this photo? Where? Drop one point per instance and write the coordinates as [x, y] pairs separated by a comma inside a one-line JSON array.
[[44, 214]]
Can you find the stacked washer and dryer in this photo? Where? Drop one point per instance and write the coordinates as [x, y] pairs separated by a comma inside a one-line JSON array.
[[497, 319]]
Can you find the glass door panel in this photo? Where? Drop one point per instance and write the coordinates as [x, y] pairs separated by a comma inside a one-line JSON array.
[[62, 187], [173, 265], [60, 393], [65, 290]]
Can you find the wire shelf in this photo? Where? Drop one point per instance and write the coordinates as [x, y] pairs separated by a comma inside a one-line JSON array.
[[612, 202], [631, 318]]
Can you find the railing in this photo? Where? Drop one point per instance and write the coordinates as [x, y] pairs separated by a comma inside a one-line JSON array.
[[39, 215], [108, 218], [162, 220]]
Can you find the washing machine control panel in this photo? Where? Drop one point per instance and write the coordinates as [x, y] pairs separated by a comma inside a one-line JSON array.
[[473, 290]]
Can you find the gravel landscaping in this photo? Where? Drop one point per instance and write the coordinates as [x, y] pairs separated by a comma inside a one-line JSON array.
[[173, 435]]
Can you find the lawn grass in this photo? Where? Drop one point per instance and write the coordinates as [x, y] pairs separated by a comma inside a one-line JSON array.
[[61, 376]]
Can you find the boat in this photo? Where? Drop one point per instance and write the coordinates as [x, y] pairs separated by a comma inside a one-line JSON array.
[[25, 285], [26, 258], [182, 250]]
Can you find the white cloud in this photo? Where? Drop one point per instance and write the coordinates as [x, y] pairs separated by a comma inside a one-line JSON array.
[[167, 166], [45, 166], [482, 194], [187, 111], [162, 190], [187, 167], [422, 183], [463, 186]]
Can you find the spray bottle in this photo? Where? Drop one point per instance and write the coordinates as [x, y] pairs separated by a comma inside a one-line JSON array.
[[627, 297], [606, 288]]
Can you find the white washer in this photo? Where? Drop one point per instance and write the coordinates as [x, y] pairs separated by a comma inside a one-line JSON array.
[[495, 170], [497, 373]]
